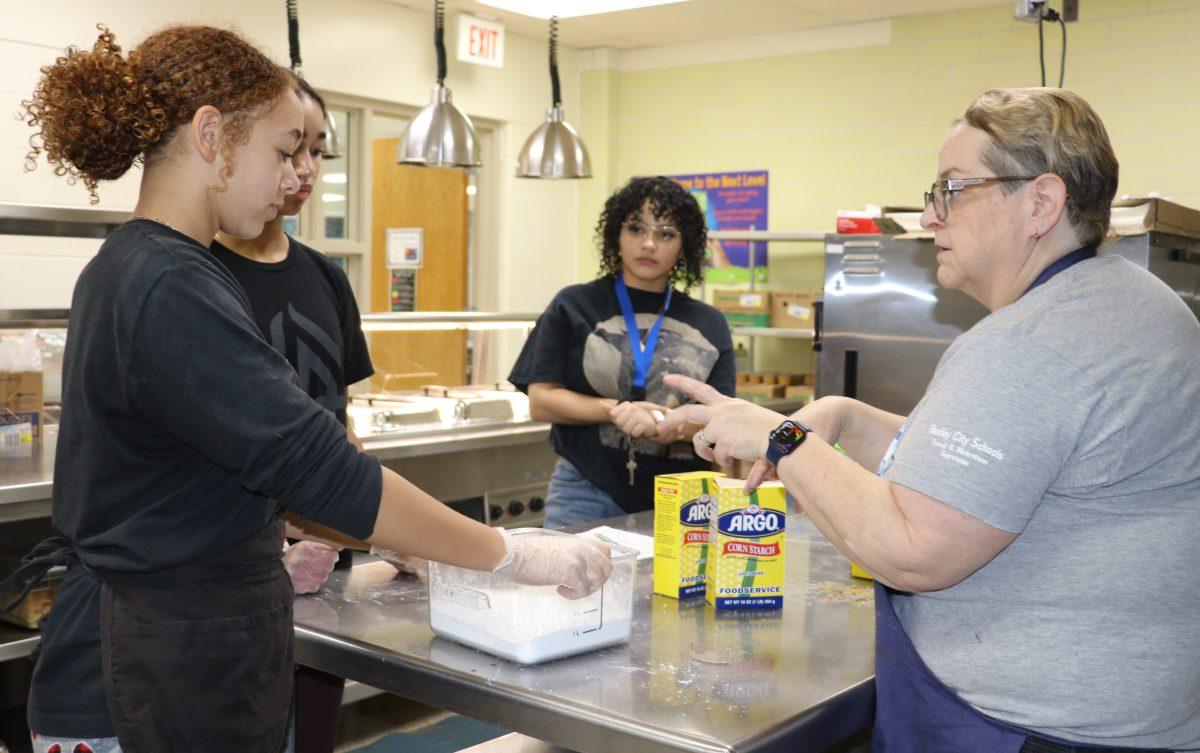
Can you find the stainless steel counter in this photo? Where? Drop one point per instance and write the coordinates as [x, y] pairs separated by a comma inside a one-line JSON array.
[[26, 483], [688, 680]]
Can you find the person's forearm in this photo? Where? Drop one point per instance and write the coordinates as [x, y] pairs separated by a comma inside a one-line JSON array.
[[412, 522], [853, 508], [863, 431], [296, 527], [559, 405]]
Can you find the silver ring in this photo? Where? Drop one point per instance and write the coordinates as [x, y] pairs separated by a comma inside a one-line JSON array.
[[705, 440]]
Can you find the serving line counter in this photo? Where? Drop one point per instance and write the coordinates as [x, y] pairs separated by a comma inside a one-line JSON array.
[[800, 679]]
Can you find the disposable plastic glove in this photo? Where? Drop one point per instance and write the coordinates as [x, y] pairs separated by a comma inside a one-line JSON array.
[[309, 563], [405, 564], [578, 565]]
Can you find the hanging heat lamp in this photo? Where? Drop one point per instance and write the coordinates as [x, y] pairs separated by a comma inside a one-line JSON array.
[[333, 142], [440, 135], [554, 150]]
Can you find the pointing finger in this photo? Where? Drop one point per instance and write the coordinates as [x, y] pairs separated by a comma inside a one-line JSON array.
[[703, 393], [688, 414], [757, 475]]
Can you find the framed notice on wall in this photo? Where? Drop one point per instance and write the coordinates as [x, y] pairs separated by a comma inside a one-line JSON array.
[[731, 201], [405, 247]]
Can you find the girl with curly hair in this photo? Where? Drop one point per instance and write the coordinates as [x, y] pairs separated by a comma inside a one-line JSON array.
[[594, 364], [184, 432]]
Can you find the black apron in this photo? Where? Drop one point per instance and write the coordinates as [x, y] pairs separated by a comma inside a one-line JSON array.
[[198, 657]]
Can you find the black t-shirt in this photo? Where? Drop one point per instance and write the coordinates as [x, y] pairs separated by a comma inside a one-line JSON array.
[[306, 310], [180, 426], [580, 342]]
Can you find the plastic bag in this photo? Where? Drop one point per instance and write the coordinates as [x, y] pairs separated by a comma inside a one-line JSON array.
[[20, 353]]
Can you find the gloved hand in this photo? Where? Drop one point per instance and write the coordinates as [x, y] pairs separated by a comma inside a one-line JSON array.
[[309, 563], [405, 564], [578, 565]]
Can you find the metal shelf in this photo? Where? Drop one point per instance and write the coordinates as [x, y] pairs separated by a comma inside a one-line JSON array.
[[768, 235], [796, 334]]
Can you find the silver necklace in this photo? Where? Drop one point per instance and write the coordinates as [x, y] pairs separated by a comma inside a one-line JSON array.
[[140, 216]]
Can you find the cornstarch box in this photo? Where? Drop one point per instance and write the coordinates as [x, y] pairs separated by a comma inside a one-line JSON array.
[[745, 567], [682, 505]]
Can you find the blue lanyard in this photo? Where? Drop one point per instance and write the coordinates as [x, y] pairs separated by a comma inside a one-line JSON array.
[[642, 354], [1063, 264]]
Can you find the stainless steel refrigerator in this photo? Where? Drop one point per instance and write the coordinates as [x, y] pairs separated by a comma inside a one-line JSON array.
[[884, 321]]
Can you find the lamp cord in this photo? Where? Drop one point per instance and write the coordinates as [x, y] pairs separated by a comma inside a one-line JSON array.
[[1052, 16], [555, 89], [439, 43], [1041, 50], [1062, 63], [293, 22]]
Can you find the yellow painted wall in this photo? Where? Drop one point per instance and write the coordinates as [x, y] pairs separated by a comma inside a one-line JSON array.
[[845, 128]]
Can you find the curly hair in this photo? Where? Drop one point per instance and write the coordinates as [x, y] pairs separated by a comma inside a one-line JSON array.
[[98, 112], [669, 202]]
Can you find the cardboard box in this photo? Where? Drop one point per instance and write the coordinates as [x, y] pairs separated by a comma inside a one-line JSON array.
[[742, 301], [21, 394], [799, 392], [793, 310], [770, 391], [683, 503], [1139, 216], [740, 319], [746, 549]]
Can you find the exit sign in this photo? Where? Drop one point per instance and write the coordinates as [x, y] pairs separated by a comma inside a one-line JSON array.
[[480, 42]]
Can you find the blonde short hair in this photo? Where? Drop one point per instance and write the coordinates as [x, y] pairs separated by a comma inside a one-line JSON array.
[[1045, 130]]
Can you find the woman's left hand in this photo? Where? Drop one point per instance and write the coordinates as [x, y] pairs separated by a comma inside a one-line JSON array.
[[733, 429], [637, 419]]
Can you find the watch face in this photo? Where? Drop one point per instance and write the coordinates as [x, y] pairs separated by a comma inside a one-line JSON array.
[[787, 433]]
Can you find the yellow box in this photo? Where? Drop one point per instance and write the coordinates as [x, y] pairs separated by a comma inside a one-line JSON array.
[[683, 503], [746, 565], [858, 572]]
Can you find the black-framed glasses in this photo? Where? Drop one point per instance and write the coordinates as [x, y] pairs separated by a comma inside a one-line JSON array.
[[663, 235], [942, 191]]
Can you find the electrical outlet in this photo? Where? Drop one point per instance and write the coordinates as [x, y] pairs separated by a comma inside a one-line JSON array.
[[1029, 10], [1070, 10]]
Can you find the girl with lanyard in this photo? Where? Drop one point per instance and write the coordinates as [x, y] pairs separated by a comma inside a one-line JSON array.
[[594, 363], [183, 431]]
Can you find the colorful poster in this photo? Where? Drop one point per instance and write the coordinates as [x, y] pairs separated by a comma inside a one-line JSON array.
[[732, 201]]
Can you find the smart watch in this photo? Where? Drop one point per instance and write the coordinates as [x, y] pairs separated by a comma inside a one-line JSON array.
[[784, 439]]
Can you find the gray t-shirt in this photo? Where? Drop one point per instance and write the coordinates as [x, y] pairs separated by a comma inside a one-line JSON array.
[[1071, 418]]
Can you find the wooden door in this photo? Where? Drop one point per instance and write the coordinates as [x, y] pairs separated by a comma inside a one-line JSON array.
[[434, 199]]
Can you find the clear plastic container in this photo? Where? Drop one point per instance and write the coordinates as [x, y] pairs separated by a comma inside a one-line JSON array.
[[530, 624]]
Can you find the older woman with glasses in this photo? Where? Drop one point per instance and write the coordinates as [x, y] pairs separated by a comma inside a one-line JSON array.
[[594, 364], [1032, 524]]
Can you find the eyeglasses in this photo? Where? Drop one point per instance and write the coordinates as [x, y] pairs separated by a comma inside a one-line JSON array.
[[663, 235], [942, 191]]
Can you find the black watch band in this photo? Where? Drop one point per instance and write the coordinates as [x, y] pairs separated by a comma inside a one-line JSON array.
[[784, 439]]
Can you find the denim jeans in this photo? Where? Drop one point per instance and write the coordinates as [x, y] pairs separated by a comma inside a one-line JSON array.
[[43, 744], [572, 499]]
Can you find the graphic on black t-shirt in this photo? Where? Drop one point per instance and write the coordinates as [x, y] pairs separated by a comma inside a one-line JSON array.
[[608, 368], [317, 356], [580, 343]]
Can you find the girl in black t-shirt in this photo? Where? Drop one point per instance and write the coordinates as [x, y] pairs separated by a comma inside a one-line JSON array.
[[183, 432], [602, 389]]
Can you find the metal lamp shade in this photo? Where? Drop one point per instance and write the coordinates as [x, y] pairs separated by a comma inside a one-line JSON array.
[[333, 142], [439, 136], [554, 151]]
